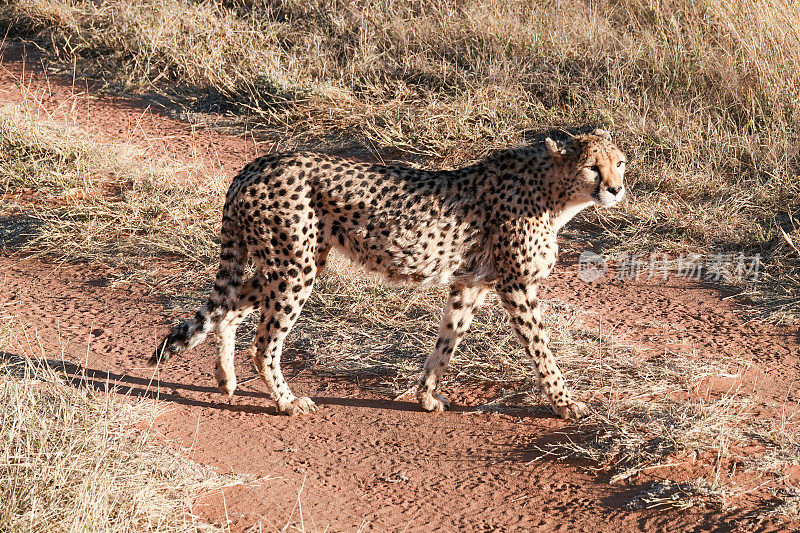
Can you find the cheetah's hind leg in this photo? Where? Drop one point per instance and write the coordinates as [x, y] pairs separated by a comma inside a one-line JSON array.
[[282, 303], [249, 297]]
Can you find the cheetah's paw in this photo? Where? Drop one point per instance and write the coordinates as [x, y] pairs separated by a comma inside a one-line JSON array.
[[225, 382], [227, 386], [298, 406], [573, 410], [432, 402]]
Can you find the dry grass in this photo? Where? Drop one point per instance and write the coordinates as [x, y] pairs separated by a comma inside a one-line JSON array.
[[786, 505], [76, 459], [104, 203]]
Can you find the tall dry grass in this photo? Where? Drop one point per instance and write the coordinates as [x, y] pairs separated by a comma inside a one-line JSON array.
[[104, 202]]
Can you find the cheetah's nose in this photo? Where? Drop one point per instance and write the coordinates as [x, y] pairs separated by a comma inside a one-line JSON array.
[[614, 190]]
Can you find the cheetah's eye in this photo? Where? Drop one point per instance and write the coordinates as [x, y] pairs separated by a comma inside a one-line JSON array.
[[620, 164], [595, 169]]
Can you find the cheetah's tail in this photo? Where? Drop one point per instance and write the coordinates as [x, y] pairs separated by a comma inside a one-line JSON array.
[[223, 297]]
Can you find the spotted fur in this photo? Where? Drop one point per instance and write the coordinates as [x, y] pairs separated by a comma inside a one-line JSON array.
[[489, 225]]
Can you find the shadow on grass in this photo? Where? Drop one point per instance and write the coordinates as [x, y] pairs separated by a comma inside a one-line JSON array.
[[16, 230]]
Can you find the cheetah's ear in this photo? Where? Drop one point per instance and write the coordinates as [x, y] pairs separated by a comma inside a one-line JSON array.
[[555, 152], [602, 134]]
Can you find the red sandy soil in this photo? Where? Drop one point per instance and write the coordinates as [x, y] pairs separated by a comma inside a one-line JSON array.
[[364, 461]]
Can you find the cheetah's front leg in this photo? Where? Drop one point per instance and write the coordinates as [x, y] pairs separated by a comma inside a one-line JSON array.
[[458, 313], [523, 306]]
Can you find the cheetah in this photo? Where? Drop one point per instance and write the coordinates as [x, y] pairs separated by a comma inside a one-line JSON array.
[[489, 225]]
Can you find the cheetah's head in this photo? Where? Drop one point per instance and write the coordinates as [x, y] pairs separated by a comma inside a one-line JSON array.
[[597, 167]]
